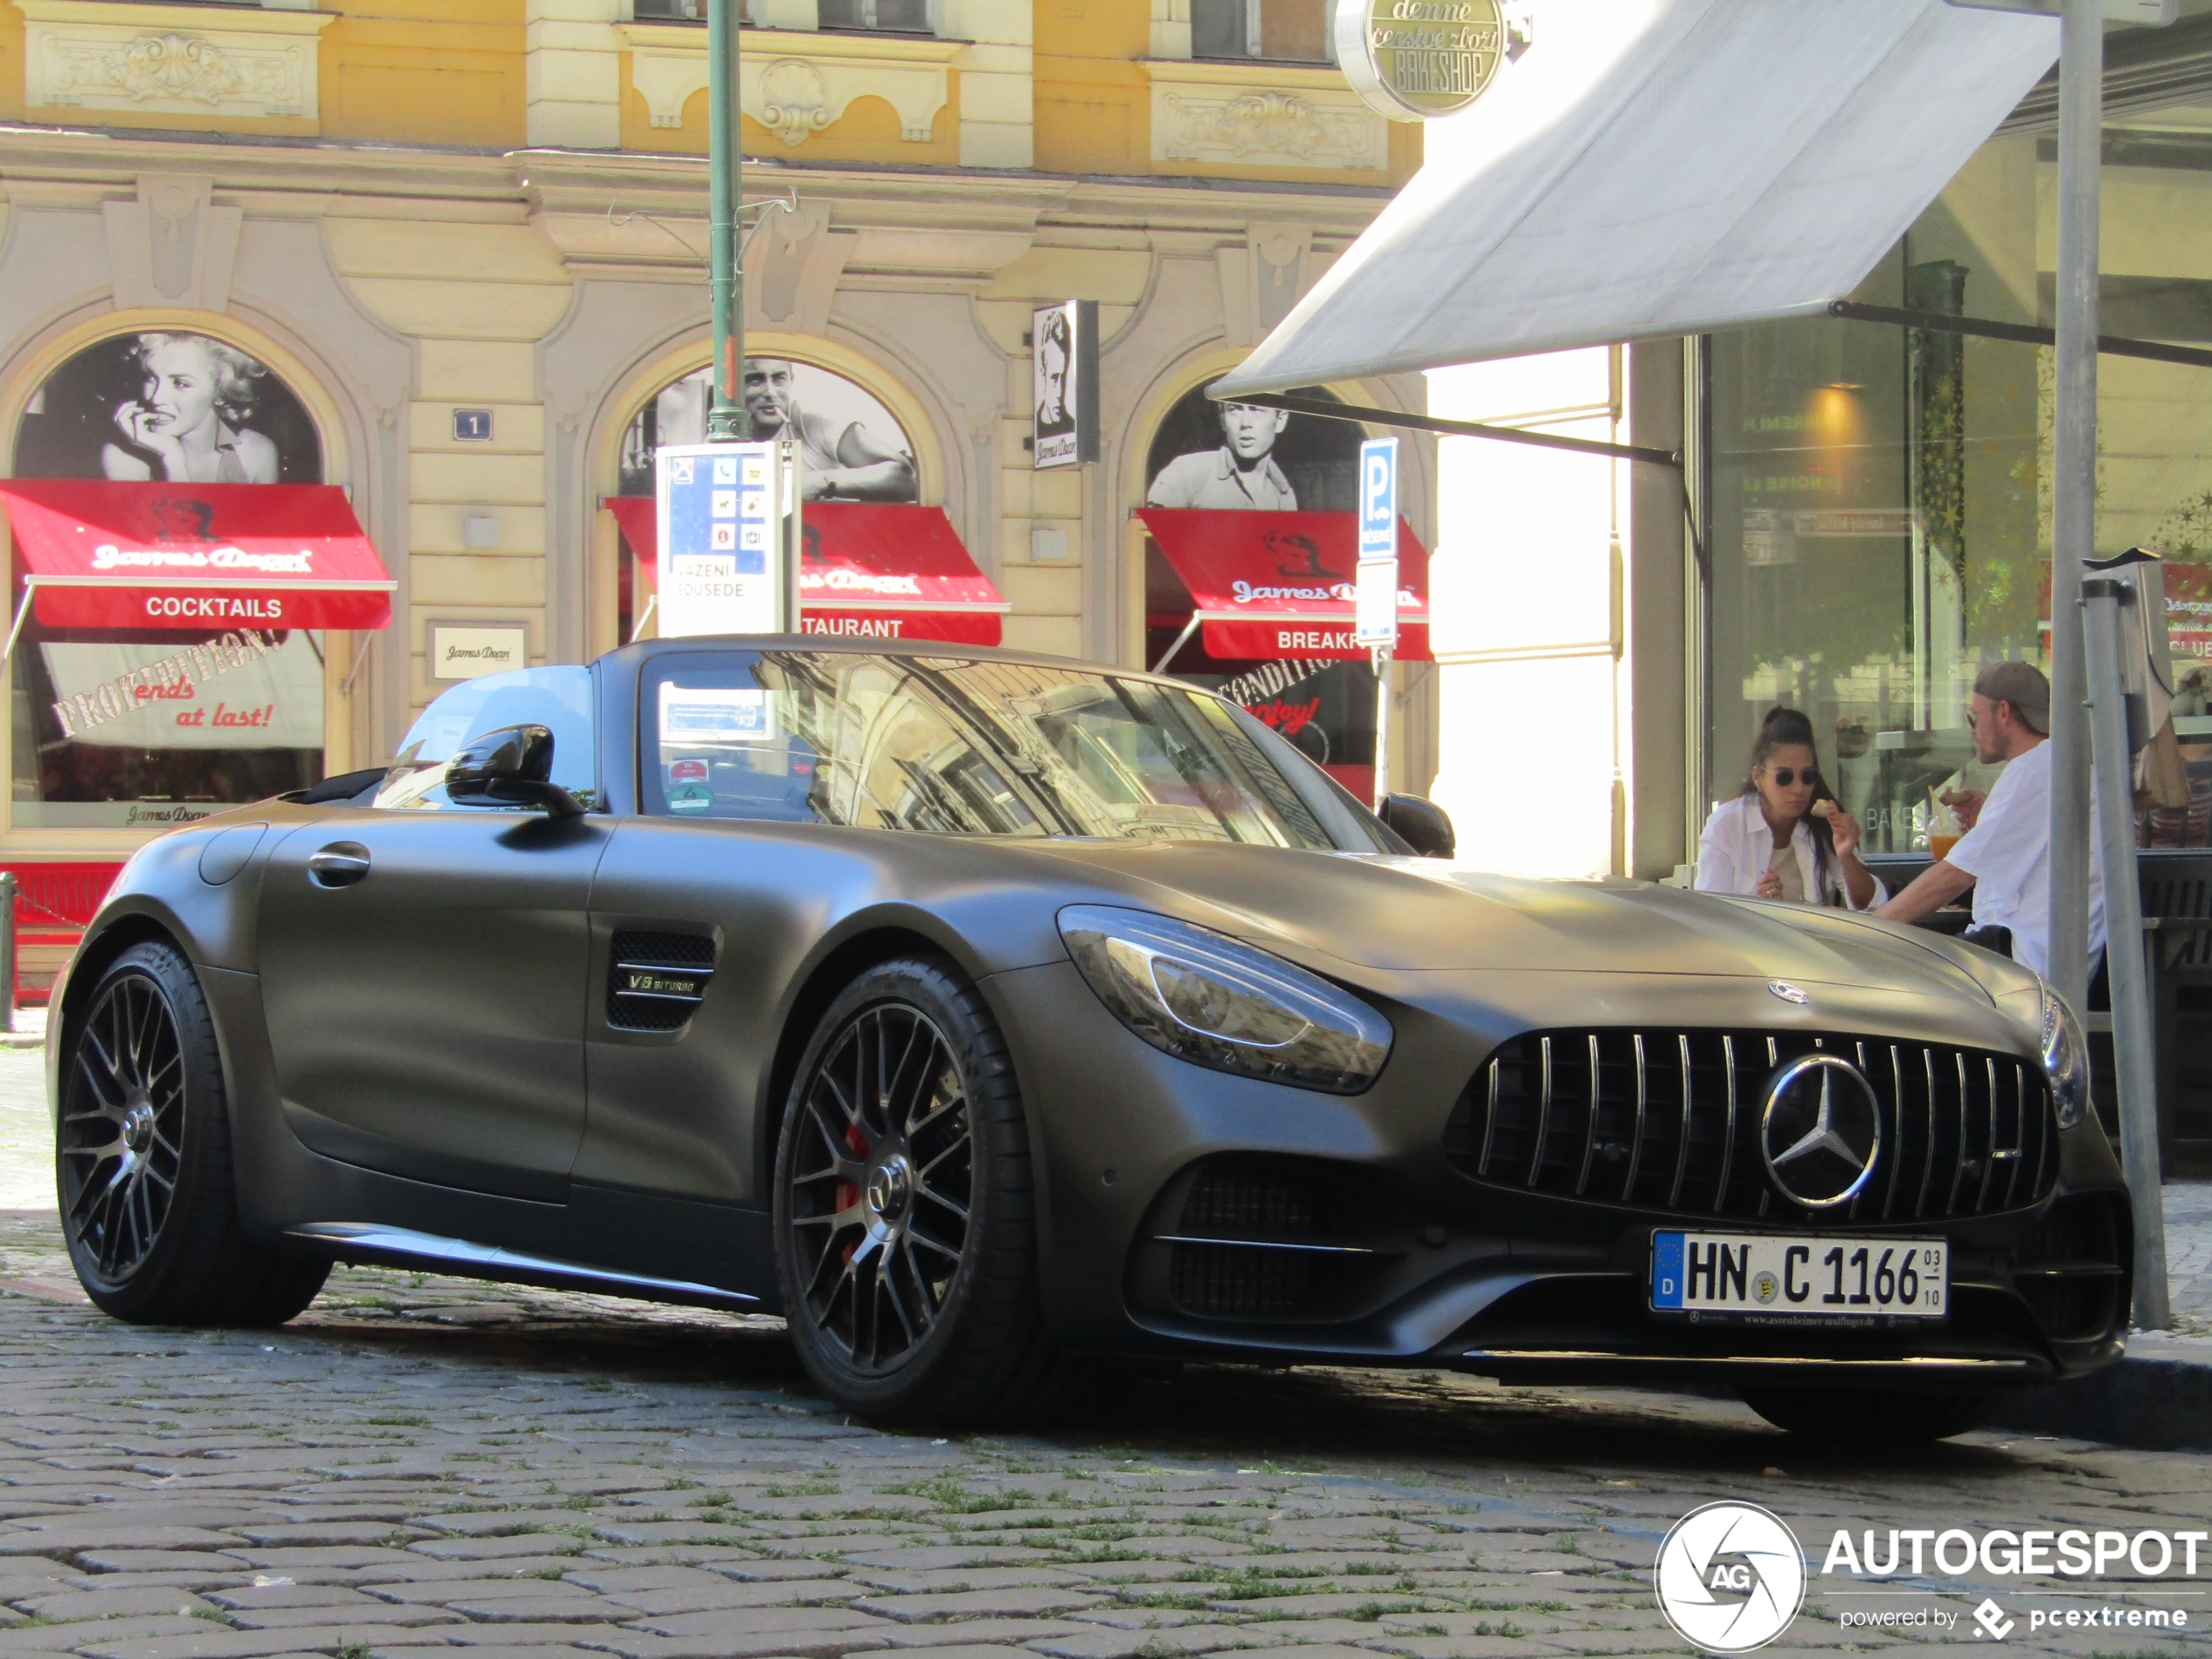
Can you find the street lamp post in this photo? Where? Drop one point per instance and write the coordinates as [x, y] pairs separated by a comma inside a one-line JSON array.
[[2073, 485], [726, 418]]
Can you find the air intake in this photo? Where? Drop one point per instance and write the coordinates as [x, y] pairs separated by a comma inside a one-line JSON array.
[[655, 982]]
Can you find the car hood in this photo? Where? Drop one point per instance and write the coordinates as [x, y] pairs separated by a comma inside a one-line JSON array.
[[1412, 914]]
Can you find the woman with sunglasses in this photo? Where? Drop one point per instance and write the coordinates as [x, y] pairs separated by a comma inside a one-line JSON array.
[[1786, 837]]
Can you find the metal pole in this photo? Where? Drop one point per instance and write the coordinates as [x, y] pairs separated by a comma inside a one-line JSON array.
[[725, 417], [2073, 488], [8, 886], [1382, 726], [2133, 1062]]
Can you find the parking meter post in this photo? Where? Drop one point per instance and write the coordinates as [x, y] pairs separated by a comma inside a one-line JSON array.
[[2133, 1062], [9, 886], [1382, 726]]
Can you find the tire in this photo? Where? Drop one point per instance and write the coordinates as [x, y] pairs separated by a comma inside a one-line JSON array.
[[1872, 1416], [905, 1220], [143, 1165]]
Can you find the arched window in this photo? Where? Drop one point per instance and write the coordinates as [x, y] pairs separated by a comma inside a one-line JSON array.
[[162, 408], [851, 447], [1234, 457]]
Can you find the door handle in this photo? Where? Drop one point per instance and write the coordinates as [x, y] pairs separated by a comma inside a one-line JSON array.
[[339, 864]]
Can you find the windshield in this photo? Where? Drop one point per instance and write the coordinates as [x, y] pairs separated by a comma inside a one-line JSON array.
[[964, 747]]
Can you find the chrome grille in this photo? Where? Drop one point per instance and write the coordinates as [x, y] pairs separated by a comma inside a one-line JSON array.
[[1669, 1121]]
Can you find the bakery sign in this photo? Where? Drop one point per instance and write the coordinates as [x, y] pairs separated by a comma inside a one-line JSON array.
[[1415, 60]]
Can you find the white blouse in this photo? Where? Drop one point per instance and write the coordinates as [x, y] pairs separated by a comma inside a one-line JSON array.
[[1737, 847]]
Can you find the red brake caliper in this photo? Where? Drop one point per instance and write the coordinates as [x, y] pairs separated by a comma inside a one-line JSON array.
[[848, 1192]]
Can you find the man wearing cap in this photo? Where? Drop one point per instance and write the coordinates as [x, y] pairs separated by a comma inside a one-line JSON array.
[[2005, 853]]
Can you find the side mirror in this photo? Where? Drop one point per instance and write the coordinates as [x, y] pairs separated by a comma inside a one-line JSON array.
[[1422, 824], [512, 767]]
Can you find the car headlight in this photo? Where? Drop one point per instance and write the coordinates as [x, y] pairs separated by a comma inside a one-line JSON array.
[[2066, 1059], [1203, 997]]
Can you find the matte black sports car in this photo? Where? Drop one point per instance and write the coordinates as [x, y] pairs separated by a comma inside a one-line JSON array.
[[976, 1010]]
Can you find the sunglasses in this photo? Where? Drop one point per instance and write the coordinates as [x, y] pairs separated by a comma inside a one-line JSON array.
[[1785, 776]]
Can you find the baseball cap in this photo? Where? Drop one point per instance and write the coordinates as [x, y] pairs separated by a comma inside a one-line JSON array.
[[2022, 685]]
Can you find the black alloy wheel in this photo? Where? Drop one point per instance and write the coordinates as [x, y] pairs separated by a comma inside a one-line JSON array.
[[121, 1145], [905, 1230], [143, 1162], [884, 1169]]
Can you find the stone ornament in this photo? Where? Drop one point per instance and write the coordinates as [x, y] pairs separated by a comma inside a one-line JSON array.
[[808, 87], [265, 70], [794, 100], [1266, 127]]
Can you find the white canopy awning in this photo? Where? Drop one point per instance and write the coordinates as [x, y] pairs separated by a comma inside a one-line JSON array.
[[1657, 167]]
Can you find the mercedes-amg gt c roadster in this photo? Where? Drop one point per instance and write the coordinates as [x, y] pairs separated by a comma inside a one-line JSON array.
[[982, 1013]]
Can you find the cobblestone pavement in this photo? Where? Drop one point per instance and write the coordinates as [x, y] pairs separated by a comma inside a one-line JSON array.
[[421, 1463]]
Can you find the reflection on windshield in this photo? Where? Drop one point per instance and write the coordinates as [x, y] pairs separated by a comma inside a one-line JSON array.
[[960, 747]]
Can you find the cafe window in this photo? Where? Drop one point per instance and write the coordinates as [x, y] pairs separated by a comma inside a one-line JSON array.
[[1285, 30], [186, 720], [1881, 498]]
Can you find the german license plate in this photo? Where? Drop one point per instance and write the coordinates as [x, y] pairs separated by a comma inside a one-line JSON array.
[[1762, 1276]]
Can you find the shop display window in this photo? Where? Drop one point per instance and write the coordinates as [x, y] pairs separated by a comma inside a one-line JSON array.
[[851, 447], [228, 725], [1880, 516], [1206, 455]]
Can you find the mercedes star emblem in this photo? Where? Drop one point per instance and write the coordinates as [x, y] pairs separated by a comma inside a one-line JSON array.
[[1787, 992], [1821, 1131]]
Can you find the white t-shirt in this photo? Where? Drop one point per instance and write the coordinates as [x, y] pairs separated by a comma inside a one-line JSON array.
[[2008, 853]]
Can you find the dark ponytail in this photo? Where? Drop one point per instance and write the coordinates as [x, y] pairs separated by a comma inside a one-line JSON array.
[[1788, 728]]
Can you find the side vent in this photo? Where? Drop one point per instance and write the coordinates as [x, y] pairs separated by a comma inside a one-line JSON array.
[[657, 981]]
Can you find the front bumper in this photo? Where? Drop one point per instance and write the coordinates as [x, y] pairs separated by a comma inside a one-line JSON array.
[[1186, 1210]]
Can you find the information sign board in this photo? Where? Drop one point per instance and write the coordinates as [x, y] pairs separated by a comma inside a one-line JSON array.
[[727, 515]]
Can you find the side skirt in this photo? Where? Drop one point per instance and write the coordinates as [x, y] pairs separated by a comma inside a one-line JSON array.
[[357, 1241]]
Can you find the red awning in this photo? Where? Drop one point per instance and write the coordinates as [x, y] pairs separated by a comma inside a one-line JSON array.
[[869, 571], [639, 517], [100, 554], [1280, 584]]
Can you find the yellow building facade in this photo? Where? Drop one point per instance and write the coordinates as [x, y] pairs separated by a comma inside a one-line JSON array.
[[450, 255]]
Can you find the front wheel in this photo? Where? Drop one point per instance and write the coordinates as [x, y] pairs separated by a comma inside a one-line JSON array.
[[1872, 1416], [149, 1198], [905, 1213]]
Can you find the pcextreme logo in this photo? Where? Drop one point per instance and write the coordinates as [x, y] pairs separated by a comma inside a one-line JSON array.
[[1730, 1577]]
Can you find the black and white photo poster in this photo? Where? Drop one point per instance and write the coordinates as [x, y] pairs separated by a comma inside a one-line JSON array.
[[1064, 359]]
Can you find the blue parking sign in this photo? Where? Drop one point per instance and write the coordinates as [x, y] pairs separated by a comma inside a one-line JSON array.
[[1378, 499], [1375, 592]]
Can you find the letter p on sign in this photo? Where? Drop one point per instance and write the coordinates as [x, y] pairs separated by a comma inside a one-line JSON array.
[[1375, 608], [1378, 499]]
